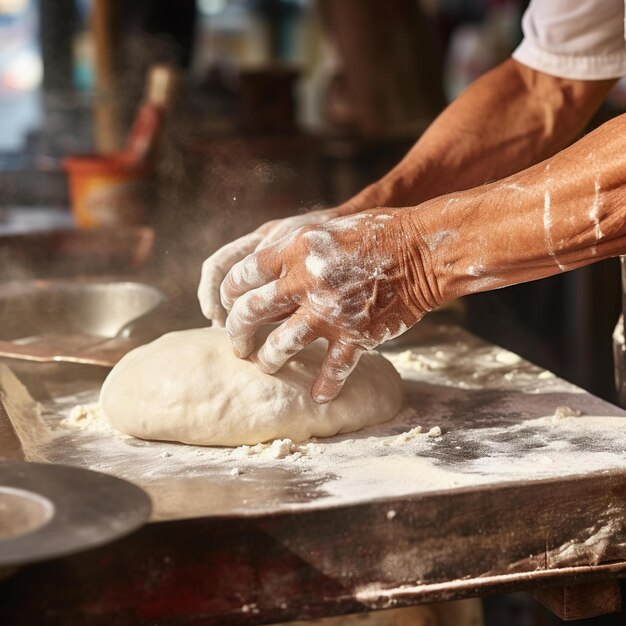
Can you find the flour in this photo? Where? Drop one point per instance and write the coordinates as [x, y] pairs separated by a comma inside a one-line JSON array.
[[418, 361], [334, 279], [594, 212], [497, 424], [434, 432], [282, 343], [547, 228], [562, 412], [90, 416], [341, 273], [315, 264], [546, 375], [277, 449], [593, 548], [390, 460], [476, 270], [288, 225], [618, 333], [440, 236], [467, 366], [409, 435], [507, 358], [215, 268]]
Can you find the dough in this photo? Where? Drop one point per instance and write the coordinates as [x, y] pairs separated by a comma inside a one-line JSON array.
[[189, 386]]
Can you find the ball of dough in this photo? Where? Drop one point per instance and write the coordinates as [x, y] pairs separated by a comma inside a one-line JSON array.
[[189, 386]]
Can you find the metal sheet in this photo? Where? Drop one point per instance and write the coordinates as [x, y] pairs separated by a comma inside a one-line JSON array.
[[94, 322], [492, 407], [51, 511]]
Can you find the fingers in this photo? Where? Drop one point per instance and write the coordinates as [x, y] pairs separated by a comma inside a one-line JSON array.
[[278, 229], [252, 272], [215, 268], [338, 364], [281, 344], [264, 305]]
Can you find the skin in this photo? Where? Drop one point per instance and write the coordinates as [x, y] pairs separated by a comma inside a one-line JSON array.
[[434, 242], [507, 120], [474, 140]]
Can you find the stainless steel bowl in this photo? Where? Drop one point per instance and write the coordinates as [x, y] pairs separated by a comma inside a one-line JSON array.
[[77, 321], [67, 307], [22, 512], [47, 511]]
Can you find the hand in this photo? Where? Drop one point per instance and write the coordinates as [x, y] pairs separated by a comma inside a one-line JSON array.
[[356, 281], [215, 268]]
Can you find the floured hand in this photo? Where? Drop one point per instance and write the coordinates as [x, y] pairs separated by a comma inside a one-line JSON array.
[[215, 268], [356, 281]]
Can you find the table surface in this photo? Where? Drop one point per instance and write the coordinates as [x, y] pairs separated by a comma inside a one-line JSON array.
[[512, 493]]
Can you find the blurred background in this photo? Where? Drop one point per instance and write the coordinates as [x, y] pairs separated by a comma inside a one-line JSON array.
[[202, 119], [197, 120]]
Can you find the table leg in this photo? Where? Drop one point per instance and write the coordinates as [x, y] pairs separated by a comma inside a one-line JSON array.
[[582, 601]]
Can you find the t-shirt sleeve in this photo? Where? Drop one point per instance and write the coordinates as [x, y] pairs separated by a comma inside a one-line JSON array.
[[577, 39]]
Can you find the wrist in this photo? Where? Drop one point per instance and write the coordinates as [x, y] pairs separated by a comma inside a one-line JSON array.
[[444, 252], [421, 290], [474, 236]]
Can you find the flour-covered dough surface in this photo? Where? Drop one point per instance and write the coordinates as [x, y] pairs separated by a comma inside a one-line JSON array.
[[189, 386]]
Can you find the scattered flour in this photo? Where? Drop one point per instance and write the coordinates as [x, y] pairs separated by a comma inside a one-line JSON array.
[[507, 358], [466, 366], [419, 361], [277, 449], [88, 416], [494, 429], [546, 375], [409, 435], [566, 411]]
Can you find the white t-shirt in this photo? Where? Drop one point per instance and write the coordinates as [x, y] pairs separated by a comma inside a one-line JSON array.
[[578, 39]]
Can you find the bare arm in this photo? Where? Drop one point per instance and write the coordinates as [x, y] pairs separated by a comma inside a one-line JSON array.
[[507, 120], [362, 279], [564, 213]]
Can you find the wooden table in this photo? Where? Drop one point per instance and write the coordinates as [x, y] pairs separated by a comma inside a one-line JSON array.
[[509, 497]]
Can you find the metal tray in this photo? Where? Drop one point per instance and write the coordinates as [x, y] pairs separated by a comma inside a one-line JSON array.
[[51, 510], [76, 321]]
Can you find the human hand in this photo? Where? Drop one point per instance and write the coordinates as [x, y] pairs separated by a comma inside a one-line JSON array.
[[356, 281], [215, 268]]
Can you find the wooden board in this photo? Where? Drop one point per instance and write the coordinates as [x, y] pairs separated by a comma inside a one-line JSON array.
[[304, 565], [575, 602]]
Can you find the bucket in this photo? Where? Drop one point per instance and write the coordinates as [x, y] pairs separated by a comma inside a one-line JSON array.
[[106, 191]]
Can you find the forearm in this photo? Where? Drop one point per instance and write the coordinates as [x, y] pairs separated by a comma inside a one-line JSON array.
[[507, 120], [564, 213]]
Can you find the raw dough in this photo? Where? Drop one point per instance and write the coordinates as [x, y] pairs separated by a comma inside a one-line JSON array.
[[189, 386]]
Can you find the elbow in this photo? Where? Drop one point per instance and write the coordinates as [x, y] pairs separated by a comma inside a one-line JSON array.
[[565, 105]]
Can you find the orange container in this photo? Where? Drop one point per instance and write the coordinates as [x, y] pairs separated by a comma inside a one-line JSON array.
[[106, 191]]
